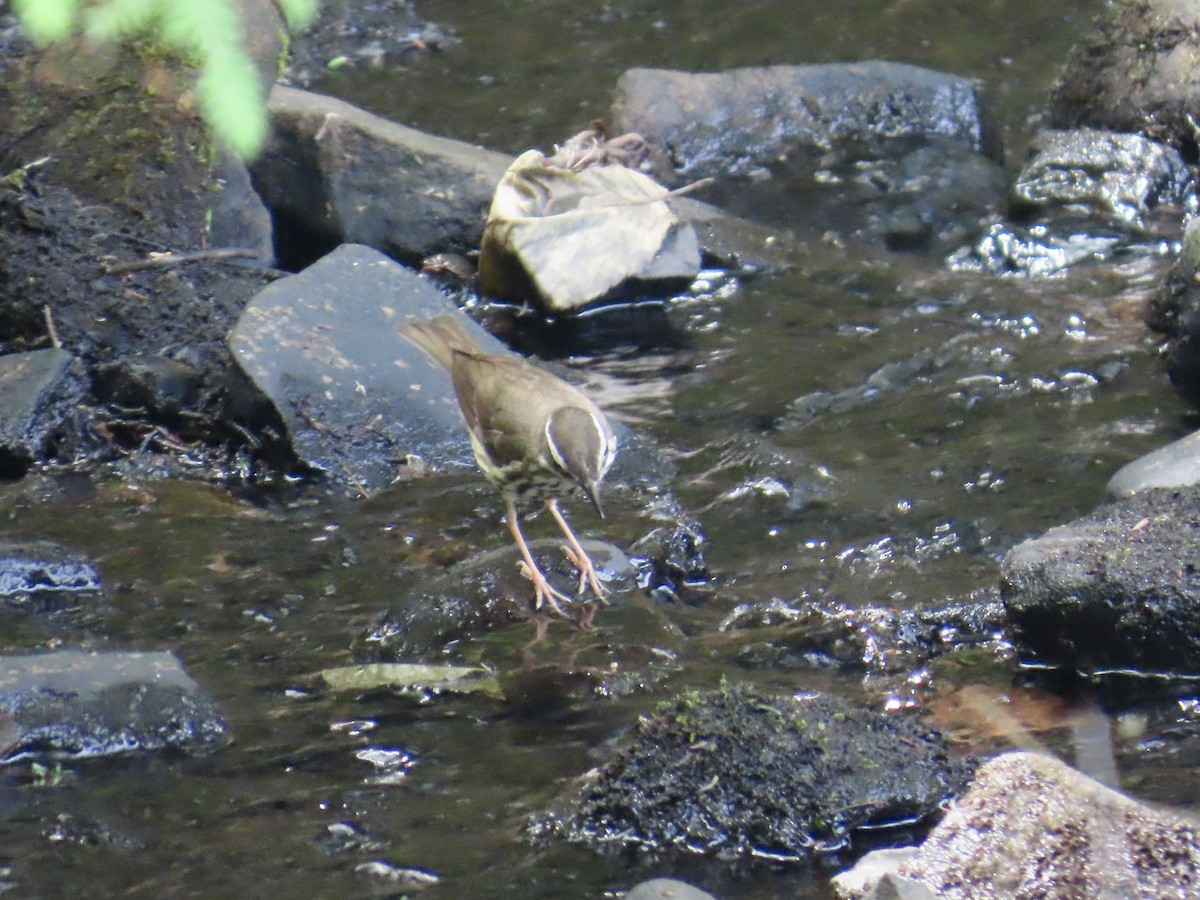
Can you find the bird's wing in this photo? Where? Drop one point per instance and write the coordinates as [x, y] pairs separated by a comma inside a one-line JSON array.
[[495, 396]]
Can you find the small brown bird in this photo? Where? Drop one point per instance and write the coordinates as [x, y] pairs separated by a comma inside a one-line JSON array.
[[535, 436]]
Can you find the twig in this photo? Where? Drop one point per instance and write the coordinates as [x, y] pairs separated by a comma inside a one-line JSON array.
[[168, 260], [54, 341]]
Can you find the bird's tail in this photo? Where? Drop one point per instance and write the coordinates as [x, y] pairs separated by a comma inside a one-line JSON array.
[[441, 338]]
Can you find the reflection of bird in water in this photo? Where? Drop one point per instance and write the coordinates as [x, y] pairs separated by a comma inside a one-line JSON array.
[[535, 436]]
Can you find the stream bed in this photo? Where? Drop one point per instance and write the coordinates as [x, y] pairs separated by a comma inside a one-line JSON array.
[[863, 428]]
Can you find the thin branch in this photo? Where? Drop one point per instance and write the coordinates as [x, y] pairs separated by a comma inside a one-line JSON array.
[[169, 260]]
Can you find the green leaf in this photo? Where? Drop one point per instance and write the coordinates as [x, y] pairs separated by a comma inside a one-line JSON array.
[[47, 20], [298, 12]]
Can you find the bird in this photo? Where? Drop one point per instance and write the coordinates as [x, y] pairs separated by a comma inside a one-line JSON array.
[[536, 437]]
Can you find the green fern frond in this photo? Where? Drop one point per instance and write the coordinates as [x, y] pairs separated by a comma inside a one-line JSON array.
[[114, 19], [298, 13], [207, 31], [47, 20]]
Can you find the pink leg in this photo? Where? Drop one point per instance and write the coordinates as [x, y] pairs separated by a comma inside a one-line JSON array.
[[543, 592], [587, 571]]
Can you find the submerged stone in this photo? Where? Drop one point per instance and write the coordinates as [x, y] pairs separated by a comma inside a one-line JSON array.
[[40, 575], [75, 704]]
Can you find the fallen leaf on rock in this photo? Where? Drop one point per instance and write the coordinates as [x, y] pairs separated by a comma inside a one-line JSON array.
[[562, 238]]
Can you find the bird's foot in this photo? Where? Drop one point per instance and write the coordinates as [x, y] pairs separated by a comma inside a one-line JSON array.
[[587, 573], [544, 593]]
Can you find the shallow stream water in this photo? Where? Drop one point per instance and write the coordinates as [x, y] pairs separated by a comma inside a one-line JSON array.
[[865, 428]]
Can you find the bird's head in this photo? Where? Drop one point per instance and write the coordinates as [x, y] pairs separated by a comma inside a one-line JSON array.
[[583, 446]]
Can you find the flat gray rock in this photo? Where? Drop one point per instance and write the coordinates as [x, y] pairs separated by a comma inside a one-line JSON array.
[[38, 392], [75, 704], [1174, 465], [355, 398]]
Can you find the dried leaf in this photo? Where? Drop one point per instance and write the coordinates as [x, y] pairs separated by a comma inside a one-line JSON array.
[[573, 236], [413, 677]]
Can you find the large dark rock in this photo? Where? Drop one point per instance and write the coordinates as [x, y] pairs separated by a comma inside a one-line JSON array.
[[333, 173], [74, 704], [738, 774], [355, 400], [1118, 589], [727, 122]]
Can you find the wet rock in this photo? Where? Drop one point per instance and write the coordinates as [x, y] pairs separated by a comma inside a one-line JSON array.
[[88, 111], [1174, 310], [1121, 176], [333, 173], [74, 704], [729, 122], [735, 773], [1083, 195], [666, 889], [1032, 826], [157, 387], [1117, 589], [487, 591], [353, 398], [1175, 465], [879, 641], [1038, 249], [39, 394], [40, 576], [1136, 74], [383, 34], [916, 194], [672, 562]]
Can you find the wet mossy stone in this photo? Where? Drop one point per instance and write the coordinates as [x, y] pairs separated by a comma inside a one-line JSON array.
[[737, 774]]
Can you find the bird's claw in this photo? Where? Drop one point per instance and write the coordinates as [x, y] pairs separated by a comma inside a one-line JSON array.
[[544, 593], [587, 573]]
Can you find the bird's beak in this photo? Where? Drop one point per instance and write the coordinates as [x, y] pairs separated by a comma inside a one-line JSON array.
[[592, 489]]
